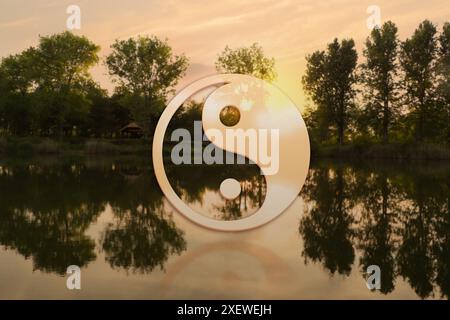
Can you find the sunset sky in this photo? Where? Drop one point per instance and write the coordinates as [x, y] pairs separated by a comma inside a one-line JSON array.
[[287, 29]]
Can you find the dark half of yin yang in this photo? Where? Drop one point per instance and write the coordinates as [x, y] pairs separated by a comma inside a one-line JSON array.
[[198, 185]]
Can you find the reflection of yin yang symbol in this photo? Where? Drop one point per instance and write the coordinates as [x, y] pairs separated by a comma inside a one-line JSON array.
[[263, 108]]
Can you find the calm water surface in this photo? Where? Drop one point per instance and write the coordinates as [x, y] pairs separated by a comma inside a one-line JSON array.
[[109, 217]]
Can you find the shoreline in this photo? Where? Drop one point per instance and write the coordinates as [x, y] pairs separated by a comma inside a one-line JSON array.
[[388, 152], [38, 146]]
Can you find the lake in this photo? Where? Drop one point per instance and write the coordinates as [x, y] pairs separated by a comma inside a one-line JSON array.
[[108, 216]]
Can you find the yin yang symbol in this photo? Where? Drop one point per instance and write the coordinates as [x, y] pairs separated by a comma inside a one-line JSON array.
[[276, 140]]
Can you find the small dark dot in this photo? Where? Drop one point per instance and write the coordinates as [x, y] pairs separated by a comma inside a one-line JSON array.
[[230, 116]]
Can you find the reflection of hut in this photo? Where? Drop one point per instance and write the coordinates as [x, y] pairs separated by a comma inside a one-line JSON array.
[[132, 130]]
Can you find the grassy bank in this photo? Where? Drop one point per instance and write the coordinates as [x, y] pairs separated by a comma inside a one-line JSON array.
[[394, 151], [28, 146]]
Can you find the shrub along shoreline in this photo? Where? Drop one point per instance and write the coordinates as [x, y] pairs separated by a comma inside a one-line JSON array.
[[30, 146], [392, 151]]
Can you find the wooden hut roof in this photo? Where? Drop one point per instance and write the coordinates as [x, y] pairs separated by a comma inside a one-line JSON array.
[[133, 126]]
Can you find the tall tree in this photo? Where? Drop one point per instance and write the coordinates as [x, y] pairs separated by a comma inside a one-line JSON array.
[[146, 71], [63, 61], [59, 68], [418, 61], [444, 74], [247, 60], [329, 81], [379, 74]]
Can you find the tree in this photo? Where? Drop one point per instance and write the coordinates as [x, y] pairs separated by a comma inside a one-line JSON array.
[[379, 74], [146, 71], [107, 116], [15, 103], [329, 81], [63, 61], [61, 73], [418, 61], [44, 88], [444, 74], [247, 60]]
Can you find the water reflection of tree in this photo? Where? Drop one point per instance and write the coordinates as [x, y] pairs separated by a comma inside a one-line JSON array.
[[143, 235], [45, 211], [326, 228], [441, 247], [141, 239], [44, 214], [419, 223], [379, 200], [53, 239], [401, 223]]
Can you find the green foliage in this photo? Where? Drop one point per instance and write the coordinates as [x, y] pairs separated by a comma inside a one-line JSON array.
[[443, 86], [146, 71], [47, 90], [418, 61], [185, 116], [44, 88], [329, 81], [145, 65], [247, 60], [63, 61], [107, 116], [403, 89], [379, 76], [401, 95]]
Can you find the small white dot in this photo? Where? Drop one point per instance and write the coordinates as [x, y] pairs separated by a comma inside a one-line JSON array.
[[230, 188]]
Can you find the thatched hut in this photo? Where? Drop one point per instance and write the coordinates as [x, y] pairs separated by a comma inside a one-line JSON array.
[[132, 130]]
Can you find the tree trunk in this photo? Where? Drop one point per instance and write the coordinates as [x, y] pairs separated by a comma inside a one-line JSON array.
[[421, 118], [386, 122], [341, 134], [341, 120]]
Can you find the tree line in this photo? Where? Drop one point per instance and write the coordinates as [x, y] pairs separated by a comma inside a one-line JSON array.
[[48, 90], [400, 93]]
